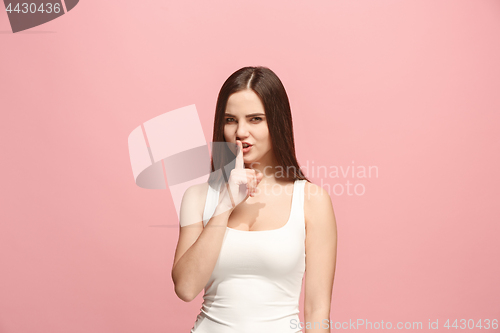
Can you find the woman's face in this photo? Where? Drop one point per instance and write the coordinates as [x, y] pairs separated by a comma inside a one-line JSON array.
[[245, 120]]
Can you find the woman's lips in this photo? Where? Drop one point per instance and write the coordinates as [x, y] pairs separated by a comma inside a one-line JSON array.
[[246, 150]]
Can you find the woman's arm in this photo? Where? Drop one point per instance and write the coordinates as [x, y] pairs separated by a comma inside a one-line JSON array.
[[321, 255], [198, 247]]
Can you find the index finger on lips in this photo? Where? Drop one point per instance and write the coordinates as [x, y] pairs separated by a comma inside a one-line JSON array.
[[239, 156]]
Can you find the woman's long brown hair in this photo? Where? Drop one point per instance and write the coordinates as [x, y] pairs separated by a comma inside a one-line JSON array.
[[266, 84]]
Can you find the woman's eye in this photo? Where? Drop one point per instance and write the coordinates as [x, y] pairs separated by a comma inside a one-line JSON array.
[[230, 120]]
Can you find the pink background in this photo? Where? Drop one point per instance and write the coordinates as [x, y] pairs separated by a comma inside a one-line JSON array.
[[410, 87]]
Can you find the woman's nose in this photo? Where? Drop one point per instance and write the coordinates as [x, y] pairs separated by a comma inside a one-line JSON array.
[[242, 130]]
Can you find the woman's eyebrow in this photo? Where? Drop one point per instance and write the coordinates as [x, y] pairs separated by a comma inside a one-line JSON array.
[[248, 115]]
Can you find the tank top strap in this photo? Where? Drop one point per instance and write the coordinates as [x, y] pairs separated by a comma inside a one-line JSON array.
[[211, 203], [298, 216]]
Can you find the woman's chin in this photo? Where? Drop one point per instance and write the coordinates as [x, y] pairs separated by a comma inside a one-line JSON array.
[[251, 162], [248, 158]]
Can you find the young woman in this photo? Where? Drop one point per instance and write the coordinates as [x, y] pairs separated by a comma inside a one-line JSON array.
[[250, 233]]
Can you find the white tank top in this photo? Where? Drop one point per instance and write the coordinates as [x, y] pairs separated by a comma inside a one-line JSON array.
[[256, 283]]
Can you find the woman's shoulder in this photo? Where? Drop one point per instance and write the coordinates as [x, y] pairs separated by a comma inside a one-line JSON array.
[[314, 192], [316, 199], [198, 190], [196, 195], [193, 204]]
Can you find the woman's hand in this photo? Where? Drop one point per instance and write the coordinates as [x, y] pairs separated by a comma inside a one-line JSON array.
[[242, 182]]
